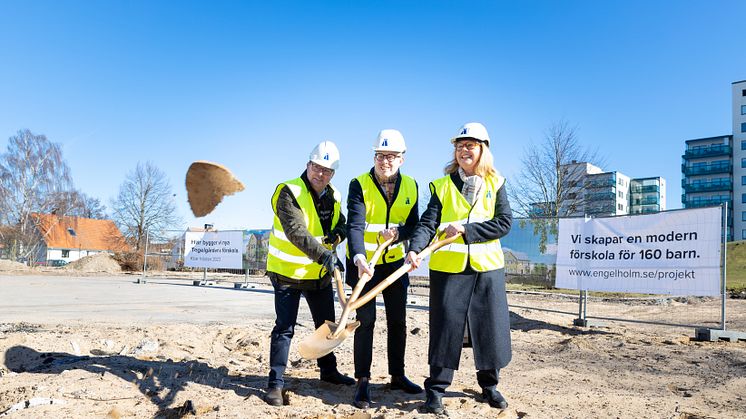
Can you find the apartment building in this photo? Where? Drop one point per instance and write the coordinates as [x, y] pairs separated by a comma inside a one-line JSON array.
[[714, 168], [591, 191]]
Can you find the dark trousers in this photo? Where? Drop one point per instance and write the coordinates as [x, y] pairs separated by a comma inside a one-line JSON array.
[[395, 301], [287, 301], [440, 378]]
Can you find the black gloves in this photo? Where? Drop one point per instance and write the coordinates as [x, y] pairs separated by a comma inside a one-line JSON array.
[[332, 238], [329, 261]]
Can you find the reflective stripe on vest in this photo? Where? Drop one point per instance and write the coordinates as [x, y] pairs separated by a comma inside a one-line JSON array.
[[482, 257], [378, 215], [282, 256]]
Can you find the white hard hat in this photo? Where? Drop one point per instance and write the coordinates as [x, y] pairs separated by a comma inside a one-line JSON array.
[[390, 140], [325, 154], [473, 130]]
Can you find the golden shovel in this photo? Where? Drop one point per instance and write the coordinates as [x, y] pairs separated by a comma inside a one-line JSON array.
[[330, 335]]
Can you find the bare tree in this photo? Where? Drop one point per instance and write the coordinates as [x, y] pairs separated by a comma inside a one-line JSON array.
[[32, 173], [549, 185], [78, 204], [144, 204]]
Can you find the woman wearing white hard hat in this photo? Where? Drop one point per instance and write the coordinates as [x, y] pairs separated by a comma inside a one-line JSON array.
[[307, 212], [381, 200], [468, 304]]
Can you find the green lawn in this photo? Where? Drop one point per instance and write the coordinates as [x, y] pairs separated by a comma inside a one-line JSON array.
[[735, 279]]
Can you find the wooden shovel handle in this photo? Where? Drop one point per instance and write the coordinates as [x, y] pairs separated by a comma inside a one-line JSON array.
[[340, 287], [400, 272], [346, 306]]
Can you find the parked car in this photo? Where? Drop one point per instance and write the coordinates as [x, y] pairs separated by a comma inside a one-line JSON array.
[[57, 263]]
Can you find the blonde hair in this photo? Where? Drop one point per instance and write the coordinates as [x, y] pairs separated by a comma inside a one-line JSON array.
[[485, 165]]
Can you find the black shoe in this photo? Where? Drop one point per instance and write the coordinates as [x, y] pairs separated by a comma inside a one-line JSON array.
[[401, 382], [494, 398], [433, 404], [273, 397], [362, 394], [336, 377]]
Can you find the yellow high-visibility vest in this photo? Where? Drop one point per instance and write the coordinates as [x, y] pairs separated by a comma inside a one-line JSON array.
[[283, 257], [482, 257], [378, 215]]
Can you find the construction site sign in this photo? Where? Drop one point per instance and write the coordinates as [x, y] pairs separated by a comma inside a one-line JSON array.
[[675, 253], [213, 249]]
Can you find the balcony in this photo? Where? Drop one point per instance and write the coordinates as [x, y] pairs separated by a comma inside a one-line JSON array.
[[644, 189], [601, 209], [711, 202], [710, 151], [646, 201], [644, 210], [706, 169], [600, 196], [708, 186], [600, 183]]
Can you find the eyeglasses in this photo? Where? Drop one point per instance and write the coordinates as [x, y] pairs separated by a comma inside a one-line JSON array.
[[469, 146], [388, 157], [321, 169]]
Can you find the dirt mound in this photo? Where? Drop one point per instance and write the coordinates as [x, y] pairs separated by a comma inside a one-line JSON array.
[[100, 262], [10, 265]]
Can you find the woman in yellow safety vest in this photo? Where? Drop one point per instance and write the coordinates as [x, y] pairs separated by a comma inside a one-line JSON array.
[[467, 280]]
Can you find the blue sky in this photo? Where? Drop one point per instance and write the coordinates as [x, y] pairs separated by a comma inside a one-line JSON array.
[[255, 85]]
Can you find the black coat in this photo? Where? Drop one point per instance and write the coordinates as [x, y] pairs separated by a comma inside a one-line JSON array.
[[478, 296]]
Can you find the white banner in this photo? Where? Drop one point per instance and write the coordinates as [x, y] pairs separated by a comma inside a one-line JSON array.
[[676, 252], [213, 249]]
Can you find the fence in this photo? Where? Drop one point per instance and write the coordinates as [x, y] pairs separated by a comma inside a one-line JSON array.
[[530, 263], [530, 251], [164, 257]]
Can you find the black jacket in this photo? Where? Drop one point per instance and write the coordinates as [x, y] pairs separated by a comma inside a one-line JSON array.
[[492, 229], [295, 229], [356, 216]]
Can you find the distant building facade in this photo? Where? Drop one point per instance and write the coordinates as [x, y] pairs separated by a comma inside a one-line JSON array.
[[714, 168], [592, 191]]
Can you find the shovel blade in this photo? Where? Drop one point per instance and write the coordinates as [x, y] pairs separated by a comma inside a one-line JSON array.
[[320, 343]]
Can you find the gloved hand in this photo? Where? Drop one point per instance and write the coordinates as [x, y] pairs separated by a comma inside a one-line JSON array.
[[331, 238], [329, 261]]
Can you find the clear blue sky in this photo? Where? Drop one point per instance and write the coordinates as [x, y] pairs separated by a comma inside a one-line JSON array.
[[255, 85]]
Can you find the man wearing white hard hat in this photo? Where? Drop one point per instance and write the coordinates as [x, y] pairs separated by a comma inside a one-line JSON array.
[[307, 216], [381, 201]]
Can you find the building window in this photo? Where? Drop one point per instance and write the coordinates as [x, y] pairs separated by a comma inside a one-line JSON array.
[[743, 162], [743, 126], [743, 92], [743, 215], [620, 207], [743, 180], [65, 253], [621, 194], [743, 145], [743, 234], [743, 109]]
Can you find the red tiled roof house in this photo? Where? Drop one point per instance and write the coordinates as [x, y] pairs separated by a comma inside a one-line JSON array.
[[71, 238]]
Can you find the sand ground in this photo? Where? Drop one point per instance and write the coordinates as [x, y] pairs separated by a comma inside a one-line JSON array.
[[214, 365]]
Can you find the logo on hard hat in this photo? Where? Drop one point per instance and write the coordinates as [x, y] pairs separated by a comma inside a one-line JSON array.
[[464, 131], [385, 142], [326, 156]]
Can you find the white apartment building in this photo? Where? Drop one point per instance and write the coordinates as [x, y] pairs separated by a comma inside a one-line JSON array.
[[714, 168]]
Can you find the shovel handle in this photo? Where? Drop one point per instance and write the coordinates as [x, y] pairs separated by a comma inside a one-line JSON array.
[[400, 272], [359, 288], [340, 287]]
